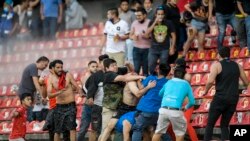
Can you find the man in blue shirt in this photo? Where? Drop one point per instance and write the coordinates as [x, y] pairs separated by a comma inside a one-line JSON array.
[[150, 103], [51, 14], [174, 93]]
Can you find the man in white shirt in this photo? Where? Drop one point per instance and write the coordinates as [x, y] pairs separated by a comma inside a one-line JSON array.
[[116, 32]]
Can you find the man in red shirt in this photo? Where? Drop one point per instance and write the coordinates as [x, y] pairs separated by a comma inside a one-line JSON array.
[[19, 119]]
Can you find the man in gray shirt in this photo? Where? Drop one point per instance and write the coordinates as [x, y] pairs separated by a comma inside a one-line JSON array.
[[29, 81]]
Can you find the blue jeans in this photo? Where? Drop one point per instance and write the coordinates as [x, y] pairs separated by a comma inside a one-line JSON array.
[[143, 120], [140, 57], [154, 55], [247, 22], [49, 27], [85, 121], [90, 114], [222, 21], [241, 31], [129, 50]]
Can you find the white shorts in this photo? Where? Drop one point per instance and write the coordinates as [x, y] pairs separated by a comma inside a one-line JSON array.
[[175, 117]]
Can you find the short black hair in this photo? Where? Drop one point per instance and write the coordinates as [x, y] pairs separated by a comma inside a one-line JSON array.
[[42, 58], [57, 62], [102, 57], [108, 62], [92, 62], [224, 52], [133, 2], [179, 72], [142, 10], [114, 11], [164, 69], [24, 95], [51, 64], [124, 1]]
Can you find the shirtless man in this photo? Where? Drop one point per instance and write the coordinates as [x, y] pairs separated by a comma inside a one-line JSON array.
[[65, 111], [131, 95]]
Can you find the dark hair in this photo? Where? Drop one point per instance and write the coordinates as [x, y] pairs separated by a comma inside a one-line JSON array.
[[181, 63], [164, 1], [102, 57], [124, 1], [24, 95], [92, 62], [43, 58], [133, 2], [179, 72], [107, 62], [224, 52], [51, 64], [114, 11], [57, 62], [149, 0], [142, 10], [164, 69]]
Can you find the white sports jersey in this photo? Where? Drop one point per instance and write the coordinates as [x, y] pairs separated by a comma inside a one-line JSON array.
[[111, 30]]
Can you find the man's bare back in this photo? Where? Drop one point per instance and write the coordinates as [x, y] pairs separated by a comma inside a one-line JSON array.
[[128, 97]]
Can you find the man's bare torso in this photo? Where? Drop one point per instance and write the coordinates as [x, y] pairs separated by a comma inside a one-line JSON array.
[[67, 96]]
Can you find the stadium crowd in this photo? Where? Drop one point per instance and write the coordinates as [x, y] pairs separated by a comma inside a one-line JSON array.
[[132, 89]]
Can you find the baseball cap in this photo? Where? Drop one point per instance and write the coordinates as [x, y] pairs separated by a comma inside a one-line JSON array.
[[181, 63]]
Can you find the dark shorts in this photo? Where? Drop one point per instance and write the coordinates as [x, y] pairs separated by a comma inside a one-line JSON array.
[[49, 122], [65, 117], [123, 109]]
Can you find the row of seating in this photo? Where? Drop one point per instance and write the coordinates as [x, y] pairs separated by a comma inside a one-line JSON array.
[[211, 54], [59, 44], [92, 30], [243, 105], [28, 56], [239, 118]]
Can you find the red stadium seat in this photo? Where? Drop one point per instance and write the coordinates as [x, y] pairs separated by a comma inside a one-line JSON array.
[[204, 66], [79, 99], [201, 55], [78, 43], [3, 90], [35, 127], [16, 102], [79, 111], [211, 55], [244, 52], [6, 114], [243, 104], [240, 118], [5, 127], [240, 61], [93, 31], [210, 93], [196, 79], [97, 41], [246, 65], [200, 120], [204, 107], [217, 124], [83, 32], [204, 79], [7, 102], [193, 67], [235, 52], [191, 56], [199, 91], [229, 29]]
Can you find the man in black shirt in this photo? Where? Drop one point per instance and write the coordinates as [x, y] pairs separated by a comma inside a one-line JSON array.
[[161, 31], [224, 15], [226, 74]]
